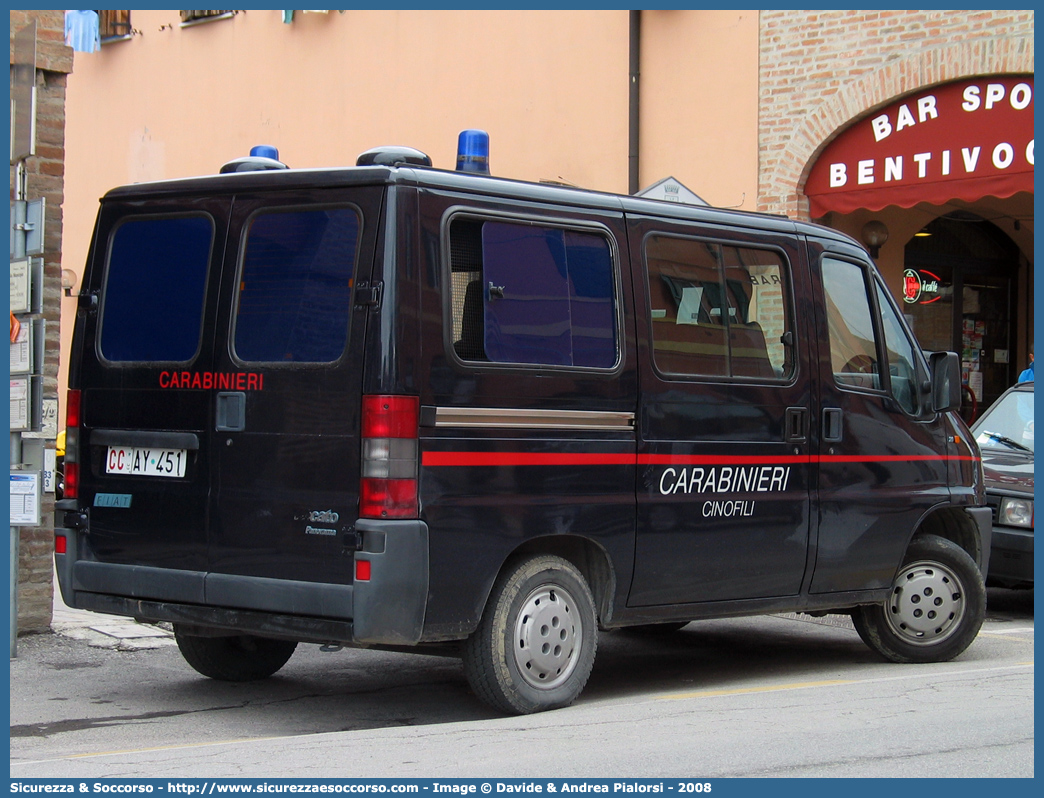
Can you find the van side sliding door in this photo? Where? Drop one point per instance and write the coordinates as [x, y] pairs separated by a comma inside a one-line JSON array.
[[723, 419], [529, 366]]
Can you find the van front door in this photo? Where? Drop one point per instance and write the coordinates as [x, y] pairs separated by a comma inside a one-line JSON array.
[[286, 400], [723, 427], [883, 464]]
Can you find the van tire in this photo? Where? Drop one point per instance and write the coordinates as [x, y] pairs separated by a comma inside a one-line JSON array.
[[535, 645], [240, 658], [936, 607]]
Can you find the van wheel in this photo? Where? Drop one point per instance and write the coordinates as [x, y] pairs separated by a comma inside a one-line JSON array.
[[935, 609], [535, 646], [242, 658]]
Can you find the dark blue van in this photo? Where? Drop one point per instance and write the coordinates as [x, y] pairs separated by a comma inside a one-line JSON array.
[[395, 406]]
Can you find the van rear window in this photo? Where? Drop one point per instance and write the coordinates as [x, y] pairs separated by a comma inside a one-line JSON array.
[[295, 286], [533, 294], [152, 308]]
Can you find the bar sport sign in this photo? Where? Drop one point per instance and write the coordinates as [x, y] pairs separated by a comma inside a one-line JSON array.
[[962, 140]]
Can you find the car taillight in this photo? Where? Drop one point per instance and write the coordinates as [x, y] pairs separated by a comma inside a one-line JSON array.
[[71, 468], [388, 487]]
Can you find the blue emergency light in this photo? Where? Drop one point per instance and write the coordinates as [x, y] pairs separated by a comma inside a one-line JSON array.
[[473, 151], [265, 151], [262, 158]]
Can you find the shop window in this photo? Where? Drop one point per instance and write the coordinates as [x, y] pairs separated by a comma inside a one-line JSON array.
[[532, 294], [295, 286], [718, 310]]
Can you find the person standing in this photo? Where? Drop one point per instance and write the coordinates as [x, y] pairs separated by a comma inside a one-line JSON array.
[[1027, 374]]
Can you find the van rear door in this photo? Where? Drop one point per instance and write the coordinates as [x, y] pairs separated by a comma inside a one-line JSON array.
[[145, 467], [285, 431]]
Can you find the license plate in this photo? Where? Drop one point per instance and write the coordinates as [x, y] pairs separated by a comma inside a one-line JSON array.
[[141, 462]]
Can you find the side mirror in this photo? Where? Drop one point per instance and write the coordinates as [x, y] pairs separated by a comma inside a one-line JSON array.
[[945, 381]]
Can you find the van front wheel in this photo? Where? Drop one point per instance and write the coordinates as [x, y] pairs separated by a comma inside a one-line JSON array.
[[240, 658], [535, 646], [935, 609]]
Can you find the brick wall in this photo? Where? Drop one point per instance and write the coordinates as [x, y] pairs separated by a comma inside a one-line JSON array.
[[822, 70], [45, 178]]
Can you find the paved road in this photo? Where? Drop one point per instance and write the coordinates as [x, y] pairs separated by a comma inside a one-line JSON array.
[[772, 696]]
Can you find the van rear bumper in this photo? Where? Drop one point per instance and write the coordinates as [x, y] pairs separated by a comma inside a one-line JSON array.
[[216, 620], [387, 608]]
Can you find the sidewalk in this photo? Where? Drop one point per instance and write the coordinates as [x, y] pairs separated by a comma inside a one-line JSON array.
[[106, 631]]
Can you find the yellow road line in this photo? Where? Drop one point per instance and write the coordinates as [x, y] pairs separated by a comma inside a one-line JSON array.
[[745, 691]]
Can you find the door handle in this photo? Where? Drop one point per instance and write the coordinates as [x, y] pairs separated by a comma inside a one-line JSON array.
[[230, 412], [797, 420], [833, 429]]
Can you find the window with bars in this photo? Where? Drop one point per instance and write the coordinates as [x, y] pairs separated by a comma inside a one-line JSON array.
[[114, 25]]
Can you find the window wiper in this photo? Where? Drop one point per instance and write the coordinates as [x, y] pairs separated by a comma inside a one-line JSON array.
[[1007, 441]]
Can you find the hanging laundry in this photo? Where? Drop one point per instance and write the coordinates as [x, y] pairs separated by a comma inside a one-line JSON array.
[[288, 17], [83, 31]]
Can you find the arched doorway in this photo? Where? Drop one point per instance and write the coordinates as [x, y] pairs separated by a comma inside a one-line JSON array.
[[959, 294]]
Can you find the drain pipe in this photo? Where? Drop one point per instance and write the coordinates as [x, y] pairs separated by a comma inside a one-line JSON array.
[[633, 116]]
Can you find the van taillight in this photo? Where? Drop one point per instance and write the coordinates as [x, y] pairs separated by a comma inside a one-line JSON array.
[[72, 409], [71, 489], [71, 467], [388, 487]]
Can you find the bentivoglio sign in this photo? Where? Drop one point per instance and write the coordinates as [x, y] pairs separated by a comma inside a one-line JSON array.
[[962, 140]]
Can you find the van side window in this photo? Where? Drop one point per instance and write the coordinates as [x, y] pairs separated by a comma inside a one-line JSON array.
[[718, 310], [152, 308], [532, 294], [901, 353], [853, 342], [295, 286]]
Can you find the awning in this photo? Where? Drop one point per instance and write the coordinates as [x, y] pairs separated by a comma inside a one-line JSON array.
[[964, 140]]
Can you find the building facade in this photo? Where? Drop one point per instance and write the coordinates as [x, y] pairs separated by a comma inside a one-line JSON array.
[[915, 127], [41, 176]]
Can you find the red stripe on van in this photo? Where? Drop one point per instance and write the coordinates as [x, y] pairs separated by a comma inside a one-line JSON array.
[[480, 459], [722, 459], [890, 458], [523, 459]]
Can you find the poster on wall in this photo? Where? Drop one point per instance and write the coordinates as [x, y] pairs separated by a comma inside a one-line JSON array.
[[25, 499]]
